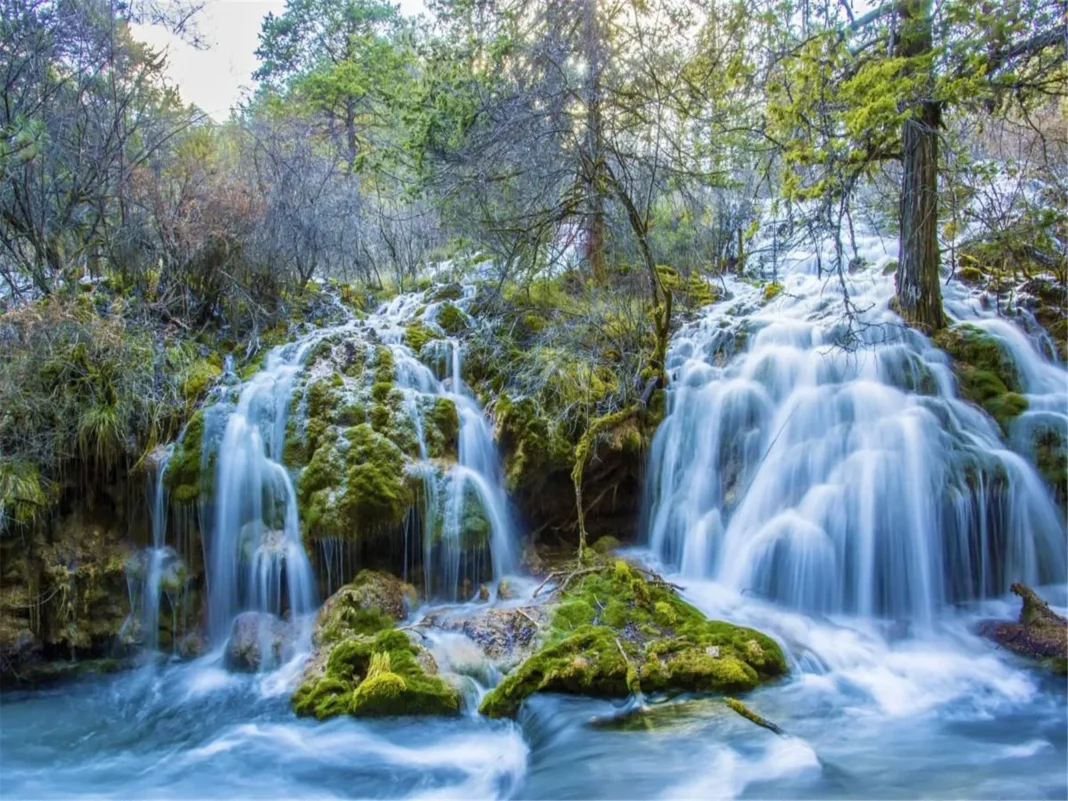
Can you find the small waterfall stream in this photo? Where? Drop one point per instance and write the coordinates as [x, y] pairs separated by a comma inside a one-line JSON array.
[[255, 541]]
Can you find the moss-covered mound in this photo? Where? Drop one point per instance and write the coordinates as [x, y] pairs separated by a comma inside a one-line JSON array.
[[374, 676], [985, 374], [362, 665], [616, 631], [355, 435]]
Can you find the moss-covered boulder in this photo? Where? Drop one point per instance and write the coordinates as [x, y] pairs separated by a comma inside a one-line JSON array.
[[615, 631], [1039, 633], [985, 374], [364, 666], [356, 437]]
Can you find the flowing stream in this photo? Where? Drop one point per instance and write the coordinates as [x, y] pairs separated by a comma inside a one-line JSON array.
[[844, 501]]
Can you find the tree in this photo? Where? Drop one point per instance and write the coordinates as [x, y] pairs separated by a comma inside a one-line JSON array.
[[344, 59], [849, 93], [83, 107]]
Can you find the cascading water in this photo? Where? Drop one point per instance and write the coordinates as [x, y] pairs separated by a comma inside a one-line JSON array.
[[474, 483], [828, 465], [256, 558]]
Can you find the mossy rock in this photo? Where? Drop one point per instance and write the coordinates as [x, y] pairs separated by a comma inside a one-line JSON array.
[[615, 632], [985, 374], [772, 290], [374, 676], [371, 602], [453, 291], [452, 321], [605, 545], [418, 334], [1050, 450]]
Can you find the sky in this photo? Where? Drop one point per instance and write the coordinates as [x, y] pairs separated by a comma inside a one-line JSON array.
[[217, 77]]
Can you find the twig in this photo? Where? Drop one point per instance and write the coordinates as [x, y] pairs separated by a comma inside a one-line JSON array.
[[548, 578], [752, 716], [528, 617]]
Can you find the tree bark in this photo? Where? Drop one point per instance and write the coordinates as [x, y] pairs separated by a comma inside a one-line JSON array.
[[595, 183], [919, 293]]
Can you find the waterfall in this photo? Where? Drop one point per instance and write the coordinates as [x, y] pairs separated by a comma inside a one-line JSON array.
[[824, 461], [150, 597]]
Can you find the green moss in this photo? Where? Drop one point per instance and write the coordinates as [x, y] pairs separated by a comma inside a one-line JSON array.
[[694, 291], [441, 427], [371, 602], [772, 290], [452, 291], [605, 545], [985, 374], [1051, 459], [198, 377], [452, 321], [321, 399], [294, 452], [615, 632], [373, 677], [377, 491], [184, 479], [383, 365], [380, 390], [417, 334], [533, 444], [351, 414]]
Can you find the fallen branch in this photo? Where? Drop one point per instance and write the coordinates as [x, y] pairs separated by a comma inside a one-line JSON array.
[[548, 578], [752, 716], [657, 579]]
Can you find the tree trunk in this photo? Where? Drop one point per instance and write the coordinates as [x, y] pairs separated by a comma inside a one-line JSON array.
[[919, 293], [595, 183], [350, 132]]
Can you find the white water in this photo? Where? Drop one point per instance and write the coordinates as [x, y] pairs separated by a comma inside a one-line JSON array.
[[256, 560], [831, 467]]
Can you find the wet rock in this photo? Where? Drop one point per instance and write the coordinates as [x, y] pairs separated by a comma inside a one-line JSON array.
[[192, 645], [505, 635], [370, 602], [258, 640], [1039, 633]]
